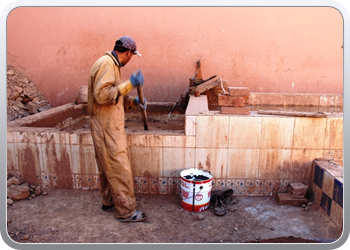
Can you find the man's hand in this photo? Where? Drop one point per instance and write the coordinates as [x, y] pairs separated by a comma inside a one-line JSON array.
[[136, 78], [137, 102]]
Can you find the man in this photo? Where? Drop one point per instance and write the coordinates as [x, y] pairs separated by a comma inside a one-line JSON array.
[[107, 99]]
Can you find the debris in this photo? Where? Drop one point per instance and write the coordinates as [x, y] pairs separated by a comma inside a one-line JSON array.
[[19, 191], [23, 98], [199, 217], [12, 181]]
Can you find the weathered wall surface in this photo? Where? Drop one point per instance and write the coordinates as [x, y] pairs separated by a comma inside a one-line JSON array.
[[268, 49]]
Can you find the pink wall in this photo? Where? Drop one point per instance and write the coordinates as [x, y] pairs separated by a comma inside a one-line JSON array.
[[268, 49]]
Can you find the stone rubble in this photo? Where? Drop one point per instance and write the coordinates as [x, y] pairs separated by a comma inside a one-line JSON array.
[[23, 98], [20, 191]]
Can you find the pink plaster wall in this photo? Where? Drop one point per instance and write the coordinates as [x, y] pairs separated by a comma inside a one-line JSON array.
[[268, 49]]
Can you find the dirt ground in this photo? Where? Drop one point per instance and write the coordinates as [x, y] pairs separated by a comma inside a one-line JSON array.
[[75, 216]]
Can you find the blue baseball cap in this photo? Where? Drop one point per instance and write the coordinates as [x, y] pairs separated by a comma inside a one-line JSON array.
[[128, 43]]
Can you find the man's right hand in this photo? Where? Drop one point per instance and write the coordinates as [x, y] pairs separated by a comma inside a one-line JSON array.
[[136, 78]]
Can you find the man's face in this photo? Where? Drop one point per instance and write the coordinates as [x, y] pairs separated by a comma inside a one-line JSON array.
[[127, 58]]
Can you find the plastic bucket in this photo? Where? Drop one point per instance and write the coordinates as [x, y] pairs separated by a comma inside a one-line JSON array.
[[196, 187]]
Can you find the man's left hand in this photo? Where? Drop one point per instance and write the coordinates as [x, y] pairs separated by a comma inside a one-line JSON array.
[[137, 102]]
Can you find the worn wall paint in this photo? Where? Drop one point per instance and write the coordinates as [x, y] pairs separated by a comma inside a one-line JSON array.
[[268, 49]]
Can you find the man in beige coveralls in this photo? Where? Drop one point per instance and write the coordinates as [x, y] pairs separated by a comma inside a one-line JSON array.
[[107, 99]]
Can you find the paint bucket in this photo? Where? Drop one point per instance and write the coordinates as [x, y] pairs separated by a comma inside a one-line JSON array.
[[196, 187]]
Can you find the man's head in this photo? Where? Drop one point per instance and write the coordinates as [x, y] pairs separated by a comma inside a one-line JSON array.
[[125, 48]]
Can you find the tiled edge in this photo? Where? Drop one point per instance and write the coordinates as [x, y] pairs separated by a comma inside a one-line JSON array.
[[327, 189]]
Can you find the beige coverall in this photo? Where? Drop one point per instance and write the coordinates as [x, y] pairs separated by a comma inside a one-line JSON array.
[[107, 129]]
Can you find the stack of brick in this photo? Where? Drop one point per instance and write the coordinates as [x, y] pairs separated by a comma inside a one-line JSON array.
[[235, 101], [295, 196]]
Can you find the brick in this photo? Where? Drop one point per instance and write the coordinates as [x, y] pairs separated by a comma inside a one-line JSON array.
[[238, 91], [286, 199], [233, 101], [297, 190], [235, 110]]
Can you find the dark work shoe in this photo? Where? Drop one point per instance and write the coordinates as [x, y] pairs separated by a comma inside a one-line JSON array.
[[107, 208]]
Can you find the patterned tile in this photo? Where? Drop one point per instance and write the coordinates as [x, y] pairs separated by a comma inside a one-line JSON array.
[[163, 189], [250, 187], [326, 203], [318, 176], [45, 179], [328, 184], [338, 192], [337, 214]]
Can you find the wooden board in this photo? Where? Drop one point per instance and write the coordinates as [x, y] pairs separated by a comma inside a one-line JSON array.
[[292, 113], [205, 86]]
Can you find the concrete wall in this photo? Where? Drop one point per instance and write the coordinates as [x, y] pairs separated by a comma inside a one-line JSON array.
[[268, 49]]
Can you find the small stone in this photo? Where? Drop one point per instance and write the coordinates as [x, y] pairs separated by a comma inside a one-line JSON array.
[[12, 181], [303, 206], [37, 192], [18, 192], [199, 216], [310, 204], [236, 228], [9, 201], [16, 233], [25, 237], [45, 193], [33, 196], [10, 72], [232, 209]]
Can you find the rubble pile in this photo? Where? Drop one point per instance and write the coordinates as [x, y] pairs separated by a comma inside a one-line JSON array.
[[23, 98], [20, 191]]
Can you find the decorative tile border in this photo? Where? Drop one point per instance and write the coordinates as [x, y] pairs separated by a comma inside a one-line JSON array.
[[168, 185]]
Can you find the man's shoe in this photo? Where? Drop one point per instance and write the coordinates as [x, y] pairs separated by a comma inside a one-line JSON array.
[[107, 208]]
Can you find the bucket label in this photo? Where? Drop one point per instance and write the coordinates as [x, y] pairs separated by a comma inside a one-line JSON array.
[[199, 197]]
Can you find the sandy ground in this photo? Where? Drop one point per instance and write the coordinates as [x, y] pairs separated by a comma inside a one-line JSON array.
[[75, 216]]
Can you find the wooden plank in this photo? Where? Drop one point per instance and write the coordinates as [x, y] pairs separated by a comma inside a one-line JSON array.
[[206, 85], [292, 113]]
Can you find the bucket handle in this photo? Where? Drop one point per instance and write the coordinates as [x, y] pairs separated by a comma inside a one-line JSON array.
[[201, 188]]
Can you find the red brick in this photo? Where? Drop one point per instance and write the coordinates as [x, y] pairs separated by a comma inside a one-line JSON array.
[[286, 199], [238, 91], [233, 101], [235, 110]]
